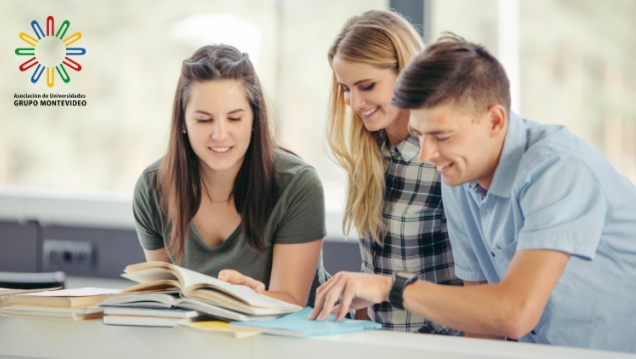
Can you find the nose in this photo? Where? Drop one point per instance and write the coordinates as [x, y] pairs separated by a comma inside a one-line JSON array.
[[428, 150], [355, 100], [219, 130]]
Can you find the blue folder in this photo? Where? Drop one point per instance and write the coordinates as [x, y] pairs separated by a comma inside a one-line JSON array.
[[298, 325]]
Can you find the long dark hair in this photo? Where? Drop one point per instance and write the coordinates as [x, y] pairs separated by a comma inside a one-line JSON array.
[[179, 180]]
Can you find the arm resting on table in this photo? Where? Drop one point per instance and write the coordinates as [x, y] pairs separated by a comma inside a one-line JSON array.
[[509, 308], [477, 335]]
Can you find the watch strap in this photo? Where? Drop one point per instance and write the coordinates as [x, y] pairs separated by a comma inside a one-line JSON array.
[[396, 295]]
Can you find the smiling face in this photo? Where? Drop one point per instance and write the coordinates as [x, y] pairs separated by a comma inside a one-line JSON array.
[[462, 145], [218, 121], [368, 91]]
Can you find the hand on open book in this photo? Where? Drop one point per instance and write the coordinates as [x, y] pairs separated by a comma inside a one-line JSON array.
[[358, 290], [233, 277]]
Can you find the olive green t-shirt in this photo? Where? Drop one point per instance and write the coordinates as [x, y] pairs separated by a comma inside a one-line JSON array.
[[298, 217]]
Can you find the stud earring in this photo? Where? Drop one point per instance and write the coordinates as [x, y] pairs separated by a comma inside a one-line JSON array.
[[183, 130]]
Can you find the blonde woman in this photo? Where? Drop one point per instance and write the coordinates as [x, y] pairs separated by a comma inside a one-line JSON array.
[[394, 200]]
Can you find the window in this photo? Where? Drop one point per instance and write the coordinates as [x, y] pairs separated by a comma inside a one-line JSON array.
[[571, 63], [130, 71]]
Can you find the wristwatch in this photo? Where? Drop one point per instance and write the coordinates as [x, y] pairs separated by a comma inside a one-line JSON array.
[[400, 280]]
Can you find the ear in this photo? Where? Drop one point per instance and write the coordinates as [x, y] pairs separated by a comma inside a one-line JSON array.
[[497, 120]]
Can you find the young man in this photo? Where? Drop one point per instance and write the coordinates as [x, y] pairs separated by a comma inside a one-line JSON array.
[[543, 228]]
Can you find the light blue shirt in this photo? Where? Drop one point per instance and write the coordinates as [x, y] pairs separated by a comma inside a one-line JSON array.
[[552, 190]]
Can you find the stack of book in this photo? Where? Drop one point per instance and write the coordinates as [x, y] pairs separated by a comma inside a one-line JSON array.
[[152, 309], [178, 295], [247, 311], [64, 304]]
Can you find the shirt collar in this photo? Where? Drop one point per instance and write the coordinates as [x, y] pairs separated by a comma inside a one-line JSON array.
[[406, 149], [475, 187], [513, 149]]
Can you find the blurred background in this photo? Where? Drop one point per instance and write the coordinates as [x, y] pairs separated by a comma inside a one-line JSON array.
[[570, 62]]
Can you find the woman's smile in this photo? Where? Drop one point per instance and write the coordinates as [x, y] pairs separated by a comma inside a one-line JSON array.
[[221, 151], [369, 113]]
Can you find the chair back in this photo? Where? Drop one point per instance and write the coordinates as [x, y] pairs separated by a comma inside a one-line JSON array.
[[15, 280]]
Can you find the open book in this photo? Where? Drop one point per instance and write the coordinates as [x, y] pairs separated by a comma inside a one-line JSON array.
[[162, 276], [166, 300]]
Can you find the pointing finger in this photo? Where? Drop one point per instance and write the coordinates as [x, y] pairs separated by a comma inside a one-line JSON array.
[[321, 292]]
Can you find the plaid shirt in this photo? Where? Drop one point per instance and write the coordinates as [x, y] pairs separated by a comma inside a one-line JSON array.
[[417, 238]]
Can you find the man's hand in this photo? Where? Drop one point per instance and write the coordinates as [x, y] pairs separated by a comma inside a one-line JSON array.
[[358, 290], [233, 277]]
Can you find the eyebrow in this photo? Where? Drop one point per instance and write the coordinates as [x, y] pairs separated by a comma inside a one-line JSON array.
[[438, 132], [357, 82], [433, 133], [229, 113]]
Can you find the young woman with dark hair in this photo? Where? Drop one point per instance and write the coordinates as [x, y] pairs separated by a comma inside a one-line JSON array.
[[225, 200]]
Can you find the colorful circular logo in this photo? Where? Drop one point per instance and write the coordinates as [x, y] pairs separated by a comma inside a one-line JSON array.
[[50, 52]]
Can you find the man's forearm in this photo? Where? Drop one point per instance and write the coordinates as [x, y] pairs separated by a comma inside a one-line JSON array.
[[510, 308], [484, 309], [477, 335]]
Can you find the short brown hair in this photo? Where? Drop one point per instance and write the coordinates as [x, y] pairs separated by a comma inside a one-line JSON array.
[[452, 69]]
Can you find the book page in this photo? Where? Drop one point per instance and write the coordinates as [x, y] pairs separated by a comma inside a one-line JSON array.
[[163, 299], [157, 285], [192, 281], [9, 291], [150, 275], [227, 301]]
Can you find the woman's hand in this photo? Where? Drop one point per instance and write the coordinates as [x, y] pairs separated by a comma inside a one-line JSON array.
[[233, 277]]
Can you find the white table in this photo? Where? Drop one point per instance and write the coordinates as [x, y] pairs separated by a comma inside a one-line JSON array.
[[91, 339]]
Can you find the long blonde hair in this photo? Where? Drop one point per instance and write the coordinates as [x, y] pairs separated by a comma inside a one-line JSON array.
[[386, 40]]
